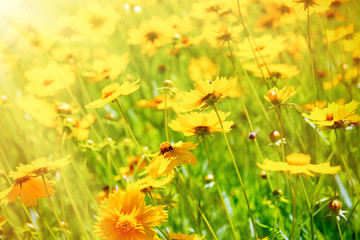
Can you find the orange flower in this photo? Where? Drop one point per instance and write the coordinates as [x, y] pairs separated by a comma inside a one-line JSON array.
[[170, 156], [29, 189], [299, 163], [111, 92], [126, 216]]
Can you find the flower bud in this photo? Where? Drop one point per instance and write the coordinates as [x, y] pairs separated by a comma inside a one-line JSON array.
[[335, 205], [168, 84]]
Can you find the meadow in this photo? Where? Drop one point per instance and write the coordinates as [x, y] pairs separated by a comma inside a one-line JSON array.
[[179, 120]]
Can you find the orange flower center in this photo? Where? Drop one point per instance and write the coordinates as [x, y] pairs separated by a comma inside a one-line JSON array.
[[108, 94], [165, 147], [126, 224], [329, 117], [48, 82]]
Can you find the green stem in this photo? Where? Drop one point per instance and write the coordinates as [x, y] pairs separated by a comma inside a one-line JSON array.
[[346, 167], [165, 116], [188, 207], [109, 170], [338, 226], [294, 209], [218, 188], [167, 235], [130, 131], [53, 209], [198, 208], [275, 219], [237, 172], [46, 224], [278, 109], [309, 208], [252, 49]]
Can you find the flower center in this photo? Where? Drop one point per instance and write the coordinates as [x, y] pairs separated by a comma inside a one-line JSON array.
[[152, 36], [165, 147], [108, 94], [96, 22], [21, 180], [48, 82], [201, 130], [298, 159], [329, 117], [126, 224]]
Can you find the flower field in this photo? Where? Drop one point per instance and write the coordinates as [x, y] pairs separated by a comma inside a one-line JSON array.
[[180, 120]]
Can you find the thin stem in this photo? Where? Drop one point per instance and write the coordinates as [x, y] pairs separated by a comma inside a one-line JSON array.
[[46, 224], [294, 208], [346, 167], [188, 207], [237, 171], [109, 170], [313, 77], [252, 49], [198, 208], [278, 109], [130, 131], [309, 208], [338, 225], [167, 235], [218, 188], [53, 209], [165, 116], [275, 219]]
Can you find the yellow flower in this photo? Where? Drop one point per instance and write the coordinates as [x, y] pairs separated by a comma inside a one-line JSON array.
[[267, 46], [38, 167], [338, 33], [202, 68], [150, 183], [69, 29], [159, 103], [179, 236], [215, 10], [109, 68], [151, 35], [50, 80], [170, 156], [276, 96], [353, 44], [197, 123], [335, 115], [100, 21], [111, 92], [277, 71], [299, 163], [29, 189], [81, 126], [207, 93], [310, 106], [39, 109], [126, 216], [303, 6], [218, 35]]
